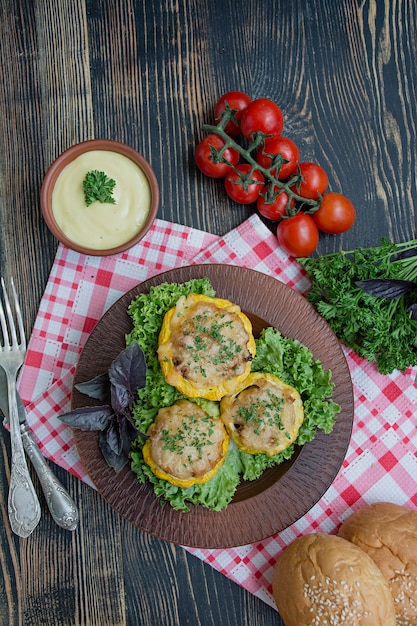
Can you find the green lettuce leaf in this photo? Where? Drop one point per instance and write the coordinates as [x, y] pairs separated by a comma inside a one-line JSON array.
[[286, 358], [294, 364]]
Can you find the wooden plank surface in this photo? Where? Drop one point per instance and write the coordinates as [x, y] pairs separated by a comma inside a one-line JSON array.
[[148, 73]]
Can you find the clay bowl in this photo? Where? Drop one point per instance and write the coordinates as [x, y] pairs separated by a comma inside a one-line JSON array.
[[68, 157]]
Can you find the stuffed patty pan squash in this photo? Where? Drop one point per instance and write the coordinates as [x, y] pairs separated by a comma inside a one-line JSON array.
[[206, 347], [186, 446], [263, 415]]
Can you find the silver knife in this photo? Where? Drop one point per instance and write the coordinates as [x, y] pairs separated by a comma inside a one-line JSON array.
[[60, 503]]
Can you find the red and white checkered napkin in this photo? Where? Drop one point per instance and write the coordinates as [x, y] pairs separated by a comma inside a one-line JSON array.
[[381, 463]]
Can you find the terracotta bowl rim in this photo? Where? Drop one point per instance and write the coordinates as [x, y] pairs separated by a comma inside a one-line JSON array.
[[67, 157]]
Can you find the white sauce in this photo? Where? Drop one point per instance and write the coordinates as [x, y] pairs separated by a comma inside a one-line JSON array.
[[101, 226]]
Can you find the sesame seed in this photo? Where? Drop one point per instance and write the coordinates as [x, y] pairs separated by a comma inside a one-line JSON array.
[[332, 603], [404, 586]]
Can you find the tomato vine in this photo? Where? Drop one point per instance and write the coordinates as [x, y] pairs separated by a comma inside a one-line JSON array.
[[258, 164], [274, 184]]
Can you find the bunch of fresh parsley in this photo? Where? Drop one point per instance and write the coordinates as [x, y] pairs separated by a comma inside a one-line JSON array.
[[368, 296]]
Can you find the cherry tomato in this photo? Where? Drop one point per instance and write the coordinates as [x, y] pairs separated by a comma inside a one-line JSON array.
[[245, 189], [262, 115], [287, 149], [236, 100], [298, 235], [314, 181], [207, 160], [276, 209], [336, 214]]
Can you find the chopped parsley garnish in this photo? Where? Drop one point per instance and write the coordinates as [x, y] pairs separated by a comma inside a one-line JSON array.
[[189, 435], [205, 331], [263, 412]]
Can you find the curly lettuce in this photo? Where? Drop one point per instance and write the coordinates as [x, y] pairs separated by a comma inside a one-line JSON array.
[[286, 358]]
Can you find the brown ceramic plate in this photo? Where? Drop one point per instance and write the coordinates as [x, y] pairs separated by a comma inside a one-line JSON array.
[[282, 494]]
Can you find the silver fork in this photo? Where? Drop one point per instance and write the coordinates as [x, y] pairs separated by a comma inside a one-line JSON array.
[[23, 504]]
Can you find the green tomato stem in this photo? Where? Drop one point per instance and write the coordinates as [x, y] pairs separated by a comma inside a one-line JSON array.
[[272, 181]]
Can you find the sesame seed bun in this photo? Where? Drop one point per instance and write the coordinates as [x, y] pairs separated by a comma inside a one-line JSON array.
[[388, 533], [323, 580]]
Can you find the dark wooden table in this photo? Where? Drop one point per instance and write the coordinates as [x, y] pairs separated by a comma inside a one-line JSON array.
[[147, 73]]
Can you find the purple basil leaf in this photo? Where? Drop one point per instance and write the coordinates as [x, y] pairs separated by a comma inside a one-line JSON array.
[[413, 311], [129, 417], [127, 374], [98, 388], [114, 459], [128, 433], [133, 428], [88, 417], [406, 254], [120, 398], [389, 288], [113, 437]]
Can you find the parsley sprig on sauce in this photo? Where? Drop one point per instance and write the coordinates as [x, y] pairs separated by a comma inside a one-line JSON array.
[[99, 187]]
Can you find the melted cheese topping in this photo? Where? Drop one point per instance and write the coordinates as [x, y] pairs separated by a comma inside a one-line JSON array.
[[205, 343], [265, 415], [101, 226], [186, 445]]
